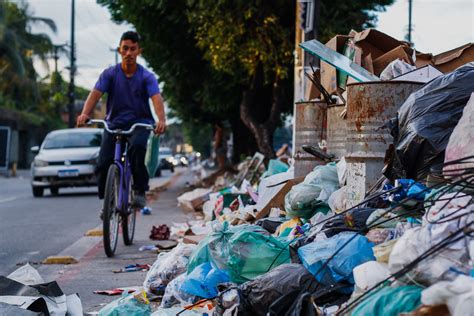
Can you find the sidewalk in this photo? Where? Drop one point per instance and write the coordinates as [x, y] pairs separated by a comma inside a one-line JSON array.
[[94, 270]]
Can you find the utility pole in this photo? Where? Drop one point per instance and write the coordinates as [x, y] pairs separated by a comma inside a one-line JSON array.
[[410, 7], [116, 54], [72, 71]]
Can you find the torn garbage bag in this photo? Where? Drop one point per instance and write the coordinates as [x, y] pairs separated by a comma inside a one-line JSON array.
[[203, 281], [352, 250], [312, 195], [426, 121], [390, 301]]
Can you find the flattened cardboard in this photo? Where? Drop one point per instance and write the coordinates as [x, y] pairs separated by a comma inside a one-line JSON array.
[[375, 42], [278, 200], [452, 59]]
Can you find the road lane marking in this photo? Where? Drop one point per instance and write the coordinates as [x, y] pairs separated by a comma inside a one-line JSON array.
[[8, 199]]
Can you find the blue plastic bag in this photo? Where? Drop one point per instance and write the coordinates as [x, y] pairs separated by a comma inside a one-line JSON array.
[[352, 254], [203, 281]]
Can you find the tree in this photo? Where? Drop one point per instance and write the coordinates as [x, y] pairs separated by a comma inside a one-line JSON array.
[[18, 46], [231, 59]]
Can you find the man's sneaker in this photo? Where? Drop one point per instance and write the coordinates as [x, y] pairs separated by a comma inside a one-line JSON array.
[[101, 214], [139, 200]]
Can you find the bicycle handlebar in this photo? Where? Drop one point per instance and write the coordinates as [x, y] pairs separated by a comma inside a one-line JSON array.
[[119, 131]]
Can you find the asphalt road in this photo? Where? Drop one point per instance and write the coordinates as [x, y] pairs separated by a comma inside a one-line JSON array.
[[32, 229]]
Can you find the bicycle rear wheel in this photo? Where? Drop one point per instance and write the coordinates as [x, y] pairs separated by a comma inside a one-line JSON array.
[[128, 219], [111, 213]]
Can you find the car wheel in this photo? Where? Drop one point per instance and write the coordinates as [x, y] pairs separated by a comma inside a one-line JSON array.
[[37, 192], [54, 190]]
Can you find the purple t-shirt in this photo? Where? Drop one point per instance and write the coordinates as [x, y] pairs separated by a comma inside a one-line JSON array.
[[127, 98]]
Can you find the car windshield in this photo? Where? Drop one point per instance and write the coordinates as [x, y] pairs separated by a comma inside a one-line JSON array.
[[72, 140]]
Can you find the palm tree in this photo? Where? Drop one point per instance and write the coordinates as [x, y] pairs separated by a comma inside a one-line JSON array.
[[18, 46]]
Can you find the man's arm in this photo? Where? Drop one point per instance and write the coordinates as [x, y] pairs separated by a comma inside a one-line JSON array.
[[160, 112], [91, 102]]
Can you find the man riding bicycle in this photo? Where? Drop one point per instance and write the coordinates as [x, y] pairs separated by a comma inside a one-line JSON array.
[[128, 86]]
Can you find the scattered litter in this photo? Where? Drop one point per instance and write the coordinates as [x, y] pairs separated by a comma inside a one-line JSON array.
[[145, 211], [148, 248], [133, 268], [161, 232]]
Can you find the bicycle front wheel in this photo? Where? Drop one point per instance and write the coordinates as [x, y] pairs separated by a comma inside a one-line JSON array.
[[111, 212]]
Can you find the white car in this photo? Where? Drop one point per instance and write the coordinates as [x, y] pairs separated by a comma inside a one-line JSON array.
[[66, 158]]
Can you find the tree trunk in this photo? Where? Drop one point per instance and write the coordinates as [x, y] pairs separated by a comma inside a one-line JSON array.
[[243, 140], [262, 131]]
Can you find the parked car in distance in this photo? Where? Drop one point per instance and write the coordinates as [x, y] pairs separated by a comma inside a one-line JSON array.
[[166, 160], [66, 158]]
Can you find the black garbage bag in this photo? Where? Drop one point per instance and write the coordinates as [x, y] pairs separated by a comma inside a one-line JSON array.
[[287, 279], [354, 220], [426, 120]]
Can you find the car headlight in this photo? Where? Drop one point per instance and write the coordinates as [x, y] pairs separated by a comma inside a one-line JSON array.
[[40, 163], [94, 159]]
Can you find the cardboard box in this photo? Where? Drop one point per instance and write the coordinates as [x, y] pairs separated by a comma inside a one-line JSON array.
[[278, 200], [423, 59], [375, 43], [401, 52], [311, 92], [452, 59], [423, 74], [328, 72]]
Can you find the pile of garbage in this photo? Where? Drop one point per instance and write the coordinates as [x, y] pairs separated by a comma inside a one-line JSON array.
[[275, 244]]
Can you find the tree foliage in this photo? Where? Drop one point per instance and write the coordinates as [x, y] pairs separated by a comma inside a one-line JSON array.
[[18, 46], [231, 59]]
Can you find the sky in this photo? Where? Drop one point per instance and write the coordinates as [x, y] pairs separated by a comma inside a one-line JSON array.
[[439, 25]]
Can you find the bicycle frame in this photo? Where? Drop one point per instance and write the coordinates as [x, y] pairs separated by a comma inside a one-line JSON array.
[[122, 162]]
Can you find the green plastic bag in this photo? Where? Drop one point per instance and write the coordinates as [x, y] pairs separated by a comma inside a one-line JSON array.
[[152, 157], [244, 251], [390, 301], [253, 254], [275, 167], [215, 247], [312, 195], [128, 305]]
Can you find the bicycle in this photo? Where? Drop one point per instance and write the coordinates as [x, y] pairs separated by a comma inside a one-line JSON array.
[[118, 195]]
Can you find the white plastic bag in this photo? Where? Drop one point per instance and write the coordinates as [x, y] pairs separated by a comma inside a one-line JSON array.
[[396, 68], [370, 273], [27, 275], [461, 140], [167, 266], [458, 295], [174, 296]]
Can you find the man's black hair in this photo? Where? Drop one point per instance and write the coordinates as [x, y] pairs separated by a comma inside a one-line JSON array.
[[130, 35]]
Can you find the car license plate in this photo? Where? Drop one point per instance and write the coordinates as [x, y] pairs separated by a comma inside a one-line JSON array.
[[68, 173]]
